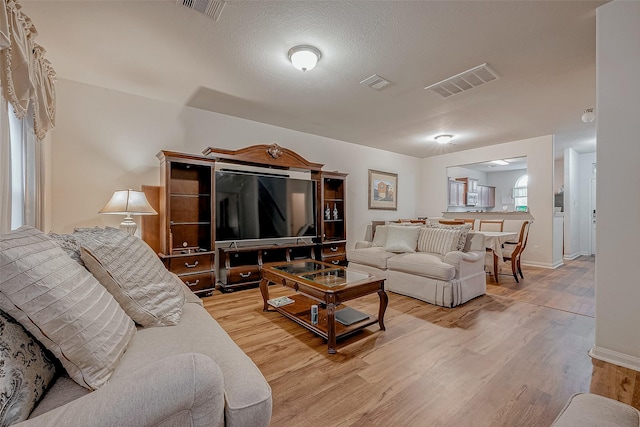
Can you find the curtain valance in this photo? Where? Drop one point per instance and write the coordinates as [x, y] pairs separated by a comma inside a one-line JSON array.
[[26, 76]]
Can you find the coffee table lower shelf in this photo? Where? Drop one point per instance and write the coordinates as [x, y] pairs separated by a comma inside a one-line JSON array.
[[300, 312]]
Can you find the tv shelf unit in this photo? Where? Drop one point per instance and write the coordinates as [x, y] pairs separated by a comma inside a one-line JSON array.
[[187, 219], [185, 215], [332, 236], [242, 266]]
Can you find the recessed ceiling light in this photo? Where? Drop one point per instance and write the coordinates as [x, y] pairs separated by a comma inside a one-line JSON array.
[[500, 162], [443, 139]]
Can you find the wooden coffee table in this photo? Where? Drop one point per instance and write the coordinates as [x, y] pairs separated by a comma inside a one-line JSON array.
[[328, 286]]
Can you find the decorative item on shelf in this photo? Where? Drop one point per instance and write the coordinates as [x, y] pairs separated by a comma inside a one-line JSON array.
[[128, 202], [335, 211], [327, 213]]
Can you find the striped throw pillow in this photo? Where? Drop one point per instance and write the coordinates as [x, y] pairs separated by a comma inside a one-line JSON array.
[[63, 306], [438, 240]]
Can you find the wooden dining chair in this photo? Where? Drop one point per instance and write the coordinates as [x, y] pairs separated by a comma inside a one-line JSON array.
[[513, 250], [451, 221], [468, 221], [491, 225]]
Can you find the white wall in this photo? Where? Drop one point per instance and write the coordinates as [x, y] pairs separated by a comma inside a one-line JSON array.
[[572, 204], [617, 336], [585, 173], [462, 172], [558, 175], [107, 140], [432, 193]]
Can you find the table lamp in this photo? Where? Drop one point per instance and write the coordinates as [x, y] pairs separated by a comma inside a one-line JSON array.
[[128, 202]]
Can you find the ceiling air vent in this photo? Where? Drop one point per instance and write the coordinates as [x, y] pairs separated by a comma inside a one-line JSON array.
[[464, 81], [376, 82], [211, 8]]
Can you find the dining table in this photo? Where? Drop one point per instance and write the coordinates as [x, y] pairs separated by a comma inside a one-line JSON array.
[[493, 241]]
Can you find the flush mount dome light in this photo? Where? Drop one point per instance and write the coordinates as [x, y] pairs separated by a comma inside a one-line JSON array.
[[588, 116], [304, 57], [443, 139]]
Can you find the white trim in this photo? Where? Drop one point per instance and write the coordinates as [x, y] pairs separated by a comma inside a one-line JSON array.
[[543, 264], [576, 255], [615, 357]]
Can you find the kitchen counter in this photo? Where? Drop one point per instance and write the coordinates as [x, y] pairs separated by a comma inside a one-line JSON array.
[[489, 215]]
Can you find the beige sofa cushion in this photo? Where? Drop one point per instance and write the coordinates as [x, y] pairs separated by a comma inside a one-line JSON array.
[[438, 240], [380, 236], [247, 393], [134, 275], [422, 264], [401, 238], [374, 257], [63, 306], [592, 410]]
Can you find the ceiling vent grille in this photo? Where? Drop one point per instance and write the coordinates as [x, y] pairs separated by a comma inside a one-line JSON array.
[[376, 82], [211, 8], [464, 81]]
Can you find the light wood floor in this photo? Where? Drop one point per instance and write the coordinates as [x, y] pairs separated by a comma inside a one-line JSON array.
[[512, 357]]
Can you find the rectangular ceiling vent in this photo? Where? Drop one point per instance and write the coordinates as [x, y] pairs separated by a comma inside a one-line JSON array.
[[464, 81], [376, 82], [211, 8]]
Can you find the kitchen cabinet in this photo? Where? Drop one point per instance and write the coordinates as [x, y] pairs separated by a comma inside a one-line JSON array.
[[486, 196], [456, 193], [470, 184]]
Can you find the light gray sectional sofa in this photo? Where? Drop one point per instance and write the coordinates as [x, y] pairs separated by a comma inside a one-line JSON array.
[[189, 374], [173, 366], [441, 265], [592, 410]]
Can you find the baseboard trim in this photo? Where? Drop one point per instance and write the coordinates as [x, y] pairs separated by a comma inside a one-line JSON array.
[[543, 265], [576, 255], [615, 357]]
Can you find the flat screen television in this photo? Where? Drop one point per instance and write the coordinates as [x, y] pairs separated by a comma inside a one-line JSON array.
[[253, 206]]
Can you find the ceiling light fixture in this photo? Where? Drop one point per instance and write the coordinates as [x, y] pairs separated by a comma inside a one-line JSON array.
[[304, 57], [500, 162], [443, 139], [588, 116]]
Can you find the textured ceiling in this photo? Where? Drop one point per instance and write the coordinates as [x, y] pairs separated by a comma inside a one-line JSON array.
[[238, 65]]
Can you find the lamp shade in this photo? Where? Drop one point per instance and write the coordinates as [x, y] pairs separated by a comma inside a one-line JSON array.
[[128, 202]]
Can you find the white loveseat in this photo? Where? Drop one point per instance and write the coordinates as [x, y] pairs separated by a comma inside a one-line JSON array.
[[440, 265]]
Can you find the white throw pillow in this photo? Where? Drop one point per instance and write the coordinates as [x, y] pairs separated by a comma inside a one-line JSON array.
[[135, 276], [438, 240], [401, 238], [63, 306], [380, 236]]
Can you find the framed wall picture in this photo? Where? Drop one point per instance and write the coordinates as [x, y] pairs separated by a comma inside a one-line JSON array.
[[383, 190]]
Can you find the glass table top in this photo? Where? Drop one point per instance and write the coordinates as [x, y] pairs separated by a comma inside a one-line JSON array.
[[302, 267], [322, 274]]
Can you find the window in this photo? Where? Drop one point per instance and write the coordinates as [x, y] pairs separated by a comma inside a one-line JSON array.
[[21, 172], [520, 193]]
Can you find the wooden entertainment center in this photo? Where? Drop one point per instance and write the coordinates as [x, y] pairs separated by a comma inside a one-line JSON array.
[[184, 233]]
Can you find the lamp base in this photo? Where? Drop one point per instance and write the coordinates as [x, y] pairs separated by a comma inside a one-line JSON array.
[[129, 225]]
